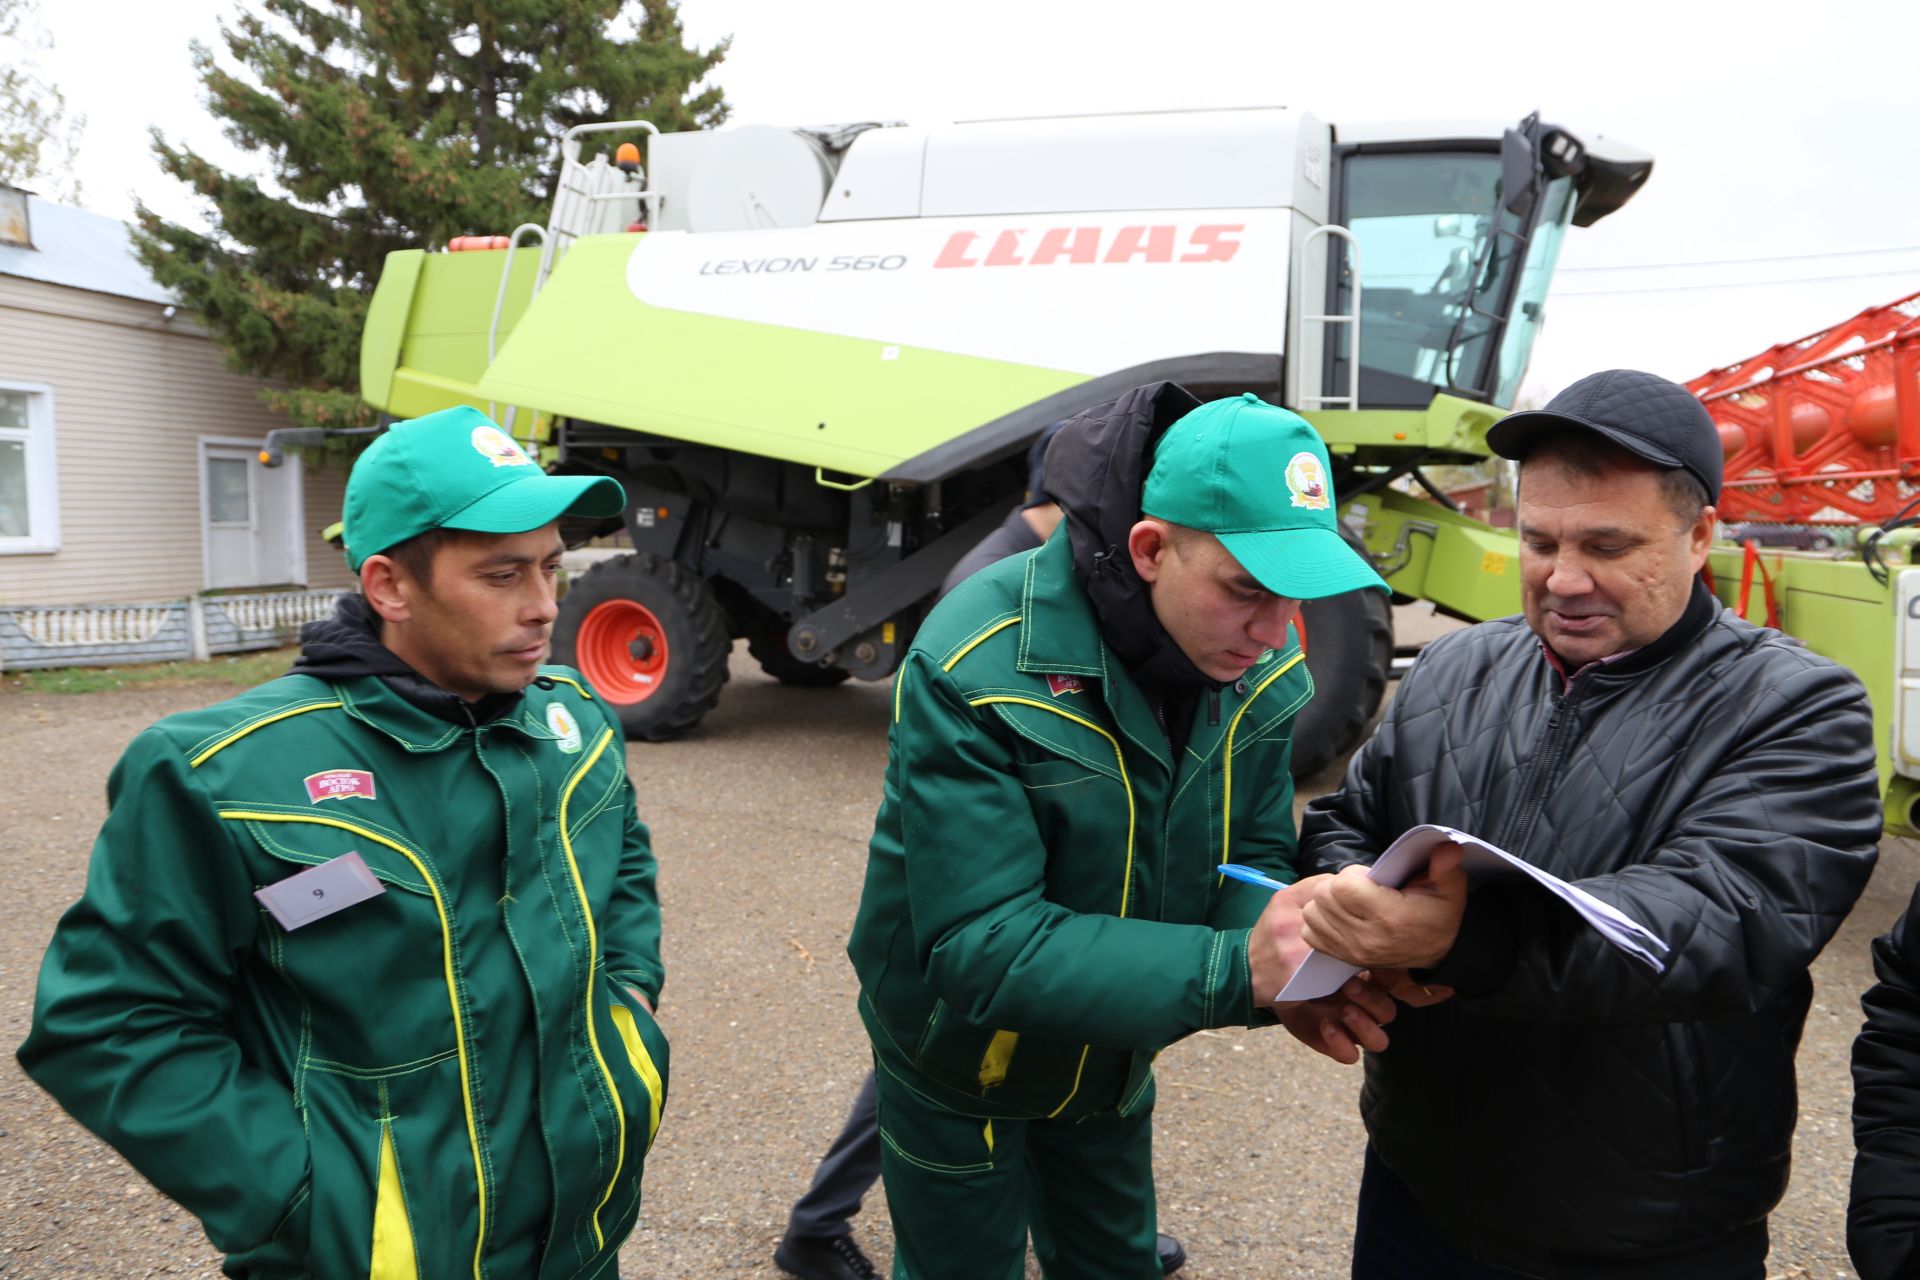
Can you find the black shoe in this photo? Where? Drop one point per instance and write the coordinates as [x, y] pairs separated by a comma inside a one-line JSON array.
[[1172, 1256], [837, 1258]]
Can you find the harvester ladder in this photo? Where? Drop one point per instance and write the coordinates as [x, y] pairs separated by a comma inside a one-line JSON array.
[[588, 200], [1320, 399]]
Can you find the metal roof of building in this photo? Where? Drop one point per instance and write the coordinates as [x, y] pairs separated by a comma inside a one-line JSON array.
[[80, 250]]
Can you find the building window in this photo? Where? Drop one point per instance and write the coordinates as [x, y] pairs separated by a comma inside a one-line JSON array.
[[227, 498], [29, 498]]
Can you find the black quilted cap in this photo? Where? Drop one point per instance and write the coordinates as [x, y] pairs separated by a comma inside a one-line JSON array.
[[1644, 414]]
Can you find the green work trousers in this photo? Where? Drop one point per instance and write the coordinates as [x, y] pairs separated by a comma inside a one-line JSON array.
[[964, 1192]]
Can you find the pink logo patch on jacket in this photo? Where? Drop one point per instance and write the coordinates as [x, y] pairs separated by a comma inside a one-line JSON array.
[[1058, 685]]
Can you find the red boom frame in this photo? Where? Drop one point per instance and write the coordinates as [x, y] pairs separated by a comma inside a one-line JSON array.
[[1826, 429]]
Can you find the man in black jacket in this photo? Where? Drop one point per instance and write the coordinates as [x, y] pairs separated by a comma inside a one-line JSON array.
[[1883, 1212], [1571, 1112]]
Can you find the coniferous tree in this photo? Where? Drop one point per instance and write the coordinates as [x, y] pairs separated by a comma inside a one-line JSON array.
[[392, 124]]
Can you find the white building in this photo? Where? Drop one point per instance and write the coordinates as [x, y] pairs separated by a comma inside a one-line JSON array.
[[127, 448]]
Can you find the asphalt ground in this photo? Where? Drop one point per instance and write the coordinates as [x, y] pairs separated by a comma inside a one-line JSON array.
[[760, 822]]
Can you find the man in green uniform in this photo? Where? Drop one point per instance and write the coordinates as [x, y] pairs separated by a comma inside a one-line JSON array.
[[1082, 735], [364, 970]]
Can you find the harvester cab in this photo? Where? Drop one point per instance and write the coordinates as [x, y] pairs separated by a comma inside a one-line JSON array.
[[815, 357]]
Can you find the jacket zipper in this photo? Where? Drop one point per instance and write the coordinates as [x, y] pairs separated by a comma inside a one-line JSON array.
[[1226, 757], [1546, 765]]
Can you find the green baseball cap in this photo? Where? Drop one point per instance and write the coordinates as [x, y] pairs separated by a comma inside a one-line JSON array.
[[1256, 477], [456, 469]]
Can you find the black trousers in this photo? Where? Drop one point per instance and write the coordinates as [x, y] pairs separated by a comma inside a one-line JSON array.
[[846, 1173], [1391, 1241]]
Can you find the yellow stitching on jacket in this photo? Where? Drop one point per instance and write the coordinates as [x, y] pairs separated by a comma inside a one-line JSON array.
[[1126, 884], [593, 949], [975, 643], [1226, 760], [453, 991], [240, 733]]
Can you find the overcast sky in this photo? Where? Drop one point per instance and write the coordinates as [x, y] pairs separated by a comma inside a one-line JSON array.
[[1783, 137]]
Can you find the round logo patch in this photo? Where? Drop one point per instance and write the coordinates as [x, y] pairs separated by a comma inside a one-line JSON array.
[[564, 727], [499, 447], [1307, 482]]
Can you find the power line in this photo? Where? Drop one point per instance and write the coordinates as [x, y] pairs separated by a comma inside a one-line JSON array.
[[1735, 284], [1744, 262]]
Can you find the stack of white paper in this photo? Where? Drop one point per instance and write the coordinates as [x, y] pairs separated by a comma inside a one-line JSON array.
[[1322, 975]]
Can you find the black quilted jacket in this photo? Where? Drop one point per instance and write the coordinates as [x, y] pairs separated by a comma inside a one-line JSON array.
[[1883, 1216], [1719, 786]]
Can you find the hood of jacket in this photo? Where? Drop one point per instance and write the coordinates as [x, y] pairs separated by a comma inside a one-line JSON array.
[[347, 645], [1095, 469]]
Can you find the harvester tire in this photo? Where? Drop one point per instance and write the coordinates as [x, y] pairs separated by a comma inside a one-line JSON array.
[[1349, 643], [650, 638], [769, 649]]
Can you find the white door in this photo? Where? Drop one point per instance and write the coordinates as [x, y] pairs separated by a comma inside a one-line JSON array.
[[251, 512]]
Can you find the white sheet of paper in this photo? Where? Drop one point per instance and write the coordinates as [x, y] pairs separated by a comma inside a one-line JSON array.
[[1407, 857]]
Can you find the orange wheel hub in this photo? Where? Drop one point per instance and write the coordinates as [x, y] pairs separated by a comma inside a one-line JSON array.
[[622, 649]]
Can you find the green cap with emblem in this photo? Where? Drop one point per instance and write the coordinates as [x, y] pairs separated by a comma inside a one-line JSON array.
[[1256, 477], [456, 469]]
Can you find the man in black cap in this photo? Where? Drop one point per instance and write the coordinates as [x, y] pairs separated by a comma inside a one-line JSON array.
[[1571, 1113]]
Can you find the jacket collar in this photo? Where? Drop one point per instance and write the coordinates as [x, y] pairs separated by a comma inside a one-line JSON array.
[[1702, 608], [374, 701], [1059, 633]]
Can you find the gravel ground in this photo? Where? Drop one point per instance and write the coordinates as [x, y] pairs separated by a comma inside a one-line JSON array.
[[761, 822]]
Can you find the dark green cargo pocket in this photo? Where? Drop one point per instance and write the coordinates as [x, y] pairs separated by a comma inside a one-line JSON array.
[[1026, 1074]]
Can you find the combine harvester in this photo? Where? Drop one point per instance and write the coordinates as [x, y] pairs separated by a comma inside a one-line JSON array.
[[815, 358]]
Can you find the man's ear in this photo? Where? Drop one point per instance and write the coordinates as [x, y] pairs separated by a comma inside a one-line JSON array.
[[1700, 537], [388, 588], [1148, 542]]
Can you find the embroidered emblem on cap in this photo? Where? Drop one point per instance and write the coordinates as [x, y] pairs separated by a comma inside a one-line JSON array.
[[564, 727], [1057, 685], [1307, 482], [499, 447], [339, 784]]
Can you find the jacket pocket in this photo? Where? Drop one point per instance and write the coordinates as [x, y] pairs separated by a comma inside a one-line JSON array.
[[1085, 822], [647, 1055], [393, 1186], [1024, 1073]]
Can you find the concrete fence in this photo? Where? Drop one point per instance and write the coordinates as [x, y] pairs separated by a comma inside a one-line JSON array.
[[98, 635]]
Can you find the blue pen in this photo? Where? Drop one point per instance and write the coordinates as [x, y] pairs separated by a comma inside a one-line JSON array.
[[1249, 875]]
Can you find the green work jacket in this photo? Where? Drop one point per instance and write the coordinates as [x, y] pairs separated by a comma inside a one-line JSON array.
[[1042, 912], [446, 1080]]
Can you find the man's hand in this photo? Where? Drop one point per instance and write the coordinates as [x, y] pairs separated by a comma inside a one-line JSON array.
[[1353, 919], [1342, 1024], [641, 996], [1275, 948], [1399, 984]]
